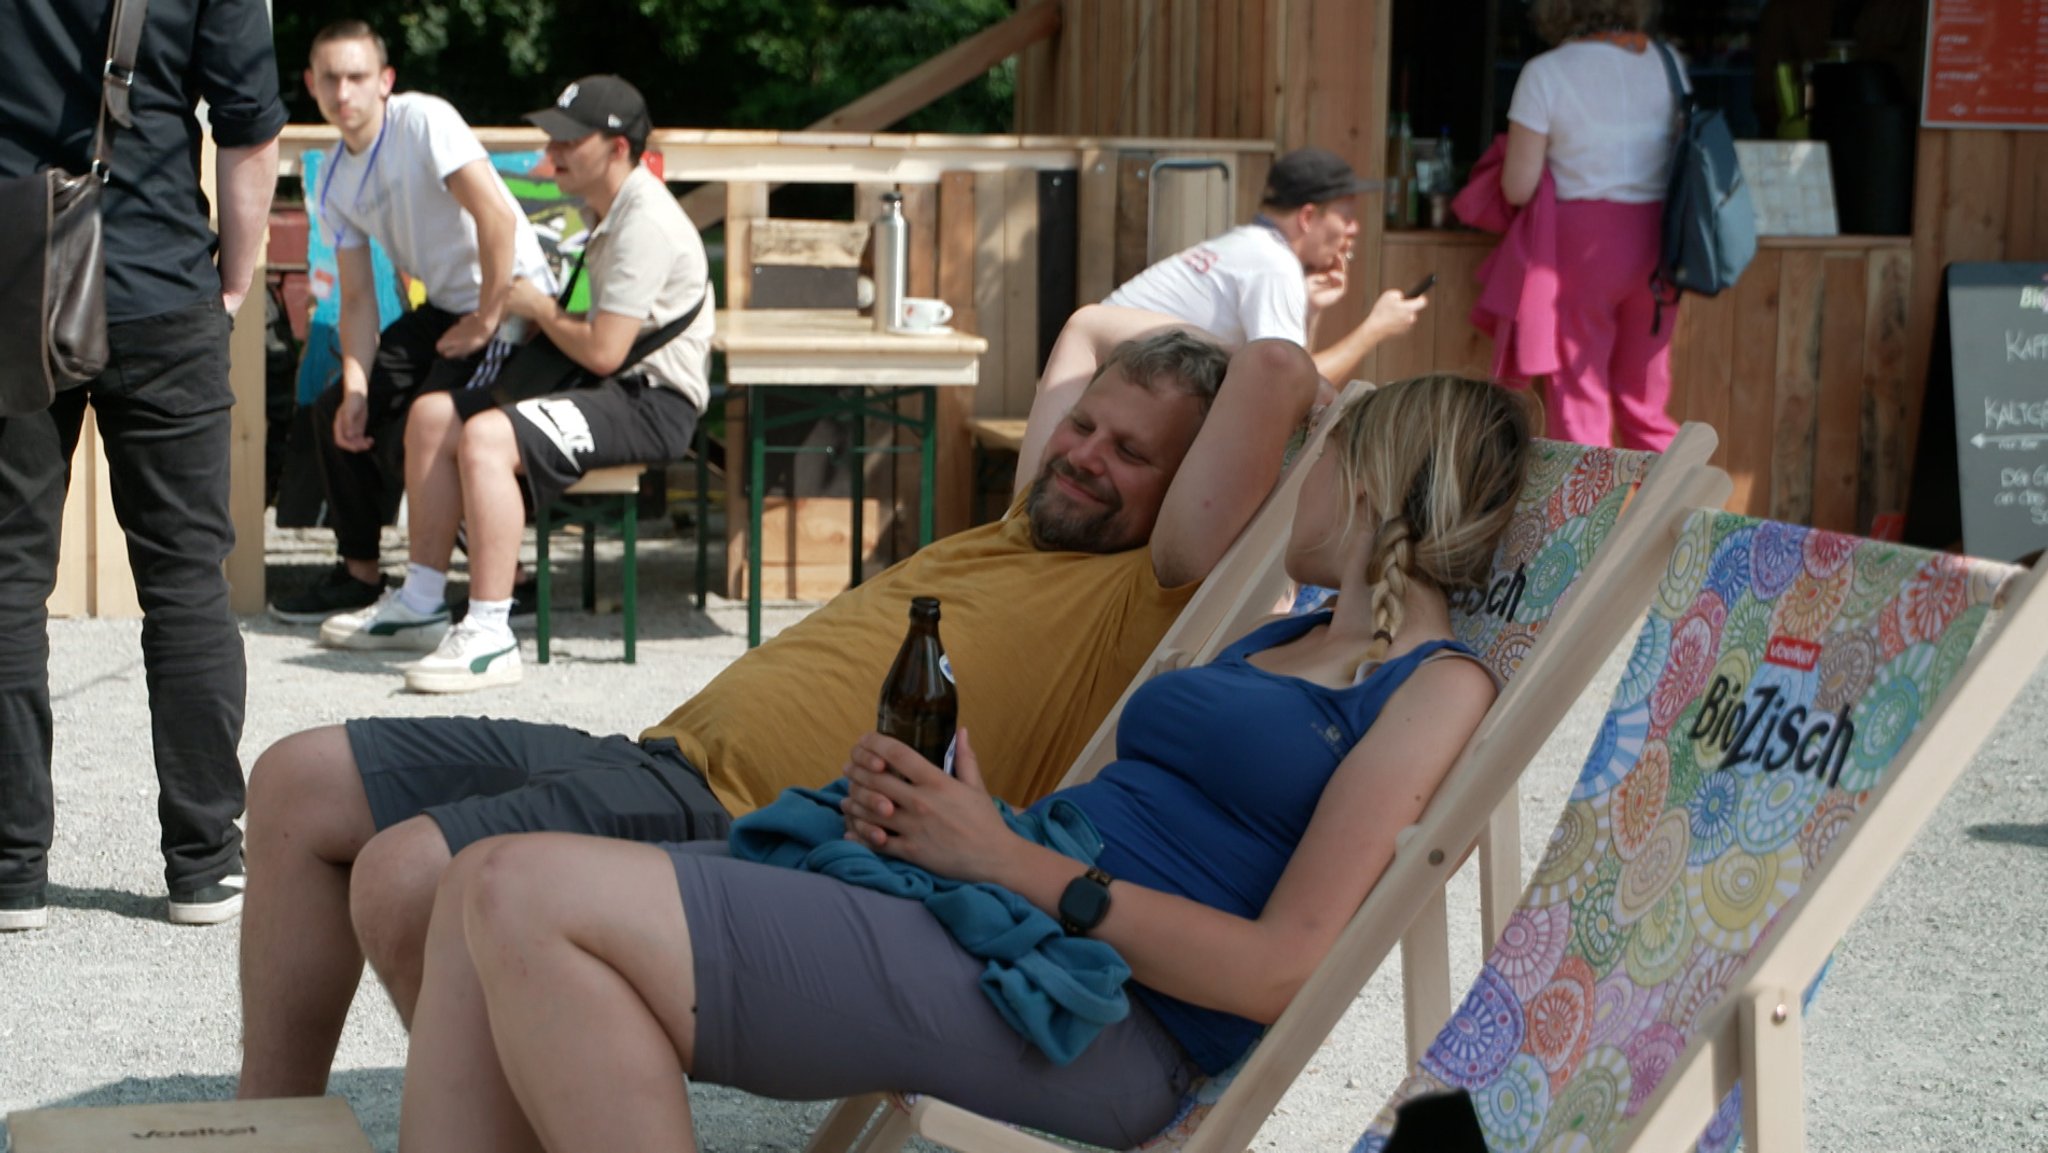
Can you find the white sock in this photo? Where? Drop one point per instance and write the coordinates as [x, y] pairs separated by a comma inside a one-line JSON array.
[[425, 590], [494, 616]]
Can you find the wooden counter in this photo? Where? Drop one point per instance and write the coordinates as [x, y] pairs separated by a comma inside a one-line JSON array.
[[1802, 368]]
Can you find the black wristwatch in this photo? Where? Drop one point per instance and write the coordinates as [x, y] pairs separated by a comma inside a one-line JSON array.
[[1084, 903]]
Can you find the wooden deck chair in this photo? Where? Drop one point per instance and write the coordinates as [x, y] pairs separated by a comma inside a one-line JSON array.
[[1574, 566], [1796, 706]]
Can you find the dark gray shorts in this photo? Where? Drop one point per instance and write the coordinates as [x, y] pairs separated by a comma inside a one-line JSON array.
[[480, 778], [809, 989]]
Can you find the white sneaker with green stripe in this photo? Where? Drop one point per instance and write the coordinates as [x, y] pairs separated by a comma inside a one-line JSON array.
[[470, 657], [388, 624]]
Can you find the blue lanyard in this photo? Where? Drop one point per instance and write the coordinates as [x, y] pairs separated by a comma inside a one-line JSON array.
[[369, 166]]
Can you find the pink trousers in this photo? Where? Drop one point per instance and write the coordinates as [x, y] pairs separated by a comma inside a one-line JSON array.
[[1616, 374]]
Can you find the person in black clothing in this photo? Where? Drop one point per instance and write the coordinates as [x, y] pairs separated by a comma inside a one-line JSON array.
[[162, 408]]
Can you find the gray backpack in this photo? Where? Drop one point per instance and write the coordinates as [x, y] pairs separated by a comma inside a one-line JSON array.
[[1709, 221]]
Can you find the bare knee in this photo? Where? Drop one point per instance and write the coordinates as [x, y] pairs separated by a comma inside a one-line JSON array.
[[487, 443], [500, 882], [428, 421], [391, 893], [305, 791]]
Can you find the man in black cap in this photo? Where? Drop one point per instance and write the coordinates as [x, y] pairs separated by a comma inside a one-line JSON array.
[[622, 383], [1271, 277]]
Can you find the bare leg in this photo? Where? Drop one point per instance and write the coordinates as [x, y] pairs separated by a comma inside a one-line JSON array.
[[585, 959], [433, 486], [489, 459], [456, 1096], [391, 900], [1084, 343], [308, 818]]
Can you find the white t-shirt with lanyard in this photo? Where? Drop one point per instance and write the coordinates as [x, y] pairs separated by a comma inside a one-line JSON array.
[[1607, 111], [1246, 284], [396, 191]]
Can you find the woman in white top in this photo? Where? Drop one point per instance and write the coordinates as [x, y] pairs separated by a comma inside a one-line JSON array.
[[1597, 112]]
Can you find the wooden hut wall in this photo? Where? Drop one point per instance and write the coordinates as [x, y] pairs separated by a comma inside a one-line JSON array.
[[1296, 72], [1813, 369]]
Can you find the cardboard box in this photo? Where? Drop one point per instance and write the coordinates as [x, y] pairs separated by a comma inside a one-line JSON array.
[[298, 1125]]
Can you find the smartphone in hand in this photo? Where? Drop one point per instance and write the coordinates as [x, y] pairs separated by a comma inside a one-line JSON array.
[[1421, 286]]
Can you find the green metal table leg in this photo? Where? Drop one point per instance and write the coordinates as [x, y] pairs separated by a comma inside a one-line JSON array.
[[590, 565], [544, 583], [703, 515], [757, 481], [928, 451], [630, 528]]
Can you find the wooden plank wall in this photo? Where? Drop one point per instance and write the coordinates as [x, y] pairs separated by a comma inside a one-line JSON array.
[[1978, 196], [1296, 72], [1802, 368]]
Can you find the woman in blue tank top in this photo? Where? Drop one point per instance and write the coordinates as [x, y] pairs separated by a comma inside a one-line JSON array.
[[1253, 804]]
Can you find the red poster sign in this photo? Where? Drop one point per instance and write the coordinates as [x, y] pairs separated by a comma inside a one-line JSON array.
[[1987, 64]]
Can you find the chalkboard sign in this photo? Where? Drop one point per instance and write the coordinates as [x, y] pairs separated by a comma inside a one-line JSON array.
[[1998, 353]]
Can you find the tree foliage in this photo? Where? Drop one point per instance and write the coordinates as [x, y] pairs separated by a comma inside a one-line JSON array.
[[701, 63]]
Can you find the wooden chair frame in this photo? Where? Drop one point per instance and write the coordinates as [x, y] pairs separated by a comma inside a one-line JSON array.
[[1754, 1034], [1408, 904]]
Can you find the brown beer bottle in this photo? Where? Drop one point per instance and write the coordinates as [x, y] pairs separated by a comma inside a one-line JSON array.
[[919, 705]]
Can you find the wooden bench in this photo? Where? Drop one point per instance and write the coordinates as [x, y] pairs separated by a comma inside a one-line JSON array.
[[995, 439]]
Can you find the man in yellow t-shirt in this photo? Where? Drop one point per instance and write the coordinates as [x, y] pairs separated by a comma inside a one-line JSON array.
[[1163, 458]]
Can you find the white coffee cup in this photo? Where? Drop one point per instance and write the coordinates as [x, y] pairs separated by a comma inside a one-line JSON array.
[[925, 312]]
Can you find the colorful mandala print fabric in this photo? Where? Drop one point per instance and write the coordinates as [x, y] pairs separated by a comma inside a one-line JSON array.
[[1779, 673], [1569, 504]]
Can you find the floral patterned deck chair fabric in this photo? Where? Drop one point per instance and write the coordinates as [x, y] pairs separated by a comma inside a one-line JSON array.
[[1779, 672], [1570, 502]]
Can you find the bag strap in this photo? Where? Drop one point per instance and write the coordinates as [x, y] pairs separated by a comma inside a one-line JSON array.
[[648, 343], [651, 342], [117, 79], [1681, 100]]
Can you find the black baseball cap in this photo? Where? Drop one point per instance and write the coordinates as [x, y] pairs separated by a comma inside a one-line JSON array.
[[596, 104], [1310, 176]]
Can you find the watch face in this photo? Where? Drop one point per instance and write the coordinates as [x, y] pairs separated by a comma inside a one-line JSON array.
[[1084, 903]]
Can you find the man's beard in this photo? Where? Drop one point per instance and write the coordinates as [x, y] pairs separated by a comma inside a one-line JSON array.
[[1056, 524]]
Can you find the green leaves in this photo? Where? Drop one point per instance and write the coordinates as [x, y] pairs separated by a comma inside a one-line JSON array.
[[701, 63]]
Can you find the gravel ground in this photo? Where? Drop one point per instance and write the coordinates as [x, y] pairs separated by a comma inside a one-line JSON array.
[[1931, 1033]]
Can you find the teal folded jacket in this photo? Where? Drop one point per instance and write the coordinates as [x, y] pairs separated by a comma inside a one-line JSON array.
[[1055, 990]]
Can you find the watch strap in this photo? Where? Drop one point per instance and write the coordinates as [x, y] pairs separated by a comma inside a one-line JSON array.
[[1100, 879]]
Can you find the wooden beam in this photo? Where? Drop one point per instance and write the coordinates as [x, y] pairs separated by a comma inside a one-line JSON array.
[[247, 361], [916, 88], [744, 203], [955, 482], [943, 73], [1838, 423], [1803, 302]]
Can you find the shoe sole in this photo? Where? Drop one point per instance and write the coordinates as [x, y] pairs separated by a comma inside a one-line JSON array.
[[287, 616], [412, 640], [17, 920], [447, 681], [210, 913]]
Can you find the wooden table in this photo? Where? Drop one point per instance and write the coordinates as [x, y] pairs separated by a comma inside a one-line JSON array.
[[787, 351]]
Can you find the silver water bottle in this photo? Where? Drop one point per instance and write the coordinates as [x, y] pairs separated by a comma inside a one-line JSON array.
[[892, 262]]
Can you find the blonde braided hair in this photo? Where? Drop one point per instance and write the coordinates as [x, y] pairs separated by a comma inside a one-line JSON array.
[[1435, 464]]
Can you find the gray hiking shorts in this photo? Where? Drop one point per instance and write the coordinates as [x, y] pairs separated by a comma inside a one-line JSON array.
[[809, 988], [479, 777]]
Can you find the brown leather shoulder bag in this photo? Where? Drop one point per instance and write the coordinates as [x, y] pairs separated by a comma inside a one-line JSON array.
[[53, 285]]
